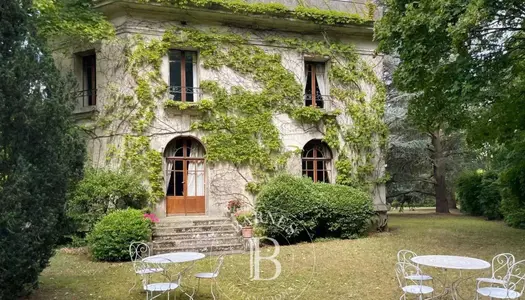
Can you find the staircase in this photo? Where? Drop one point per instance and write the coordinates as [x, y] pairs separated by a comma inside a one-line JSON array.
[[196, 234]]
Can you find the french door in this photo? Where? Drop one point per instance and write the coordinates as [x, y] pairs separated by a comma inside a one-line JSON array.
[[185, 193]]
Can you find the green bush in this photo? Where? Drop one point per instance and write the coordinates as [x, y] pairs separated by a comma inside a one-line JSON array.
[[479, 194], [110, 238], [100, 192], [468, 187], [490, 196], [289, 208], [513, 203], [301, 210], [348, 210]]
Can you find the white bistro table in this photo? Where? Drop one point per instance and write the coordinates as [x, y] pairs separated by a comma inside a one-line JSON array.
[[175, 258], [450, 262]]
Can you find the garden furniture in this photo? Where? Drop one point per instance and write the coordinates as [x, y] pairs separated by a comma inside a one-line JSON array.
[[211, 275], [405, 256], [176, 258], [411, 286], [449, 262], [501, 265], [513, 288], [165, 286], [138, 251]]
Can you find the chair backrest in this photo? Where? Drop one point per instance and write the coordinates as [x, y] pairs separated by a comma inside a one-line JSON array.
[[405, 256], [138, 251], [501, 265], [404, 269], [517, 277], [220, 261]]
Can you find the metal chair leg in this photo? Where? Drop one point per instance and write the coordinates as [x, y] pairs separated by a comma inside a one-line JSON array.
[[134, 285], [211, 286]]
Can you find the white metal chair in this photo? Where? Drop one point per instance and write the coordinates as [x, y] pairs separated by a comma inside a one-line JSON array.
[[512, 289], [410, 286], [166, 285], [138, 251], [405, 256], [501, 265], [211, 275]]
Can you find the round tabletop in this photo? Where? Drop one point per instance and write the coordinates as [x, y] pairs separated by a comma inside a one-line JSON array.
[[451, 262], [174, 257]]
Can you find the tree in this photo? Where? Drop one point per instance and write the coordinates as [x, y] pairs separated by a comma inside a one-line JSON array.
[[410, 151], [41, 153], [462, 61]]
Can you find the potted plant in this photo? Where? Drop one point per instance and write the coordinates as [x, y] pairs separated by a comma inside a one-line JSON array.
[[234, 205], [246, 220]]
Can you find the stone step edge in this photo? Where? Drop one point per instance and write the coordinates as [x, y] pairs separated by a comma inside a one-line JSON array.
[[198, 240], [197, 247], [194, 226], [175, 234]]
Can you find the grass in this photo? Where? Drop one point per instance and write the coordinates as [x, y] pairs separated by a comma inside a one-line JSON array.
[[331, 269]]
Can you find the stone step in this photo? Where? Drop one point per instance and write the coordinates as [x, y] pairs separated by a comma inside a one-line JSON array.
[[214, 241], [181, 229], [175, 222], [226, 248], [195, 235]]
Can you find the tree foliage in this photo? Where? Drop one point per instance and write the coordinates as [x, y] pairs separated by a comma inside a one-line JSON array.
[[463, 62], [41, 154]]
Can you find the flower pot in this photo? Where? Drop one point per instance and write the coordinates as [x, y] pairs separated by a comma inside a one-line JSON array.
[[247, 232]]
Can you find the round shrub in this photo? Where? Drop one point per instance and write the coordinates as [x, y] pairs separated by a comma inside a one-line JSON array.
[[348, 210], [288, 208], [110, 238], [301, 210], [100, 192]]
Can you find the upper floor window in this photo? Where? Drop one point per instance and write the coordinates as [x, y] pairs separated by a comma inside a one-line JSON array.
[[317, 161], [89, 80], [315, 89], [183, 75]]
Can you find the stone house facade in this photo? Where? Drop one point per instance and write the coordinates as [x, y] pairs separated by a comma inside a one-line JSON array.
[[208, 99]]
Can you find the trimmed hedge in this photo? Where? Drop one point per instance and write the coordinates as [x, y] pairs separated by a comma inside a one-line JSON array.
[[295, 209], [479, 194], [110, 238]]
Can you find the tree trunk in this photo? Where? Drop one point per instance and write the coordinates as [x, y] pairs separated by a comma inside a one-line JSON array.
[[439, 173], [452, 198]]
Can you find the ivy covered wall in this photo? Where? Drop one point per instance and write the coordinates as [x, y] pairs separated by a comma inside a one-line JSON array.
[[251, 117]]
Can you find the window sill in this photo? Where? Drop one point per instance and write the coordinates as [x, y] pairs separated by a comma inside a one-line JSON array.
[[85, 111], [179, 105]]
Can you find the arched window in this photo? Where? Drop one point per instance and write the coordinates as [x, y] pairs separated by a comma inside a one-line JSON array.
[[185, 175], [317, 161]]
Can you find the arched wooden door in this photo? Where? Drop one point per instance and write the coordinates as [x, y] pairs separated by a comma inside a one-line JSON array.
[[185, 177]]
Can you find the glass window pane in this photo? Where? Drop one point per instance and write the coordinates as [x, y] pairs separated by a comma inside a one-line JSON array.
[[179, 179], [170, 188], [310, 174], [179, 165], [189, 57], [309, 165], [320, 165], [175, 73]]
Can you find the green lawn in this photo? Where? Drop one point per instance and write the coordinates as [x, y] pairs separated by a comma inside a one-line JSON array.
[[337, 269]]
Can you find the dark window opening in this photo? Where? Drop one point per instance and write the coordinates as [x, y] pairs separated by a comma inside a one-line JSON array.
[[315, 84], [316, 161], [183, 72], [89, 80]]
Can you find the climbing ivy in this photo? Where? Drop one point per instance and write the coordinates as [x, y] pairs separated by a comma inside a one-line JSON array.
[[237, 122], [278, 10]]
